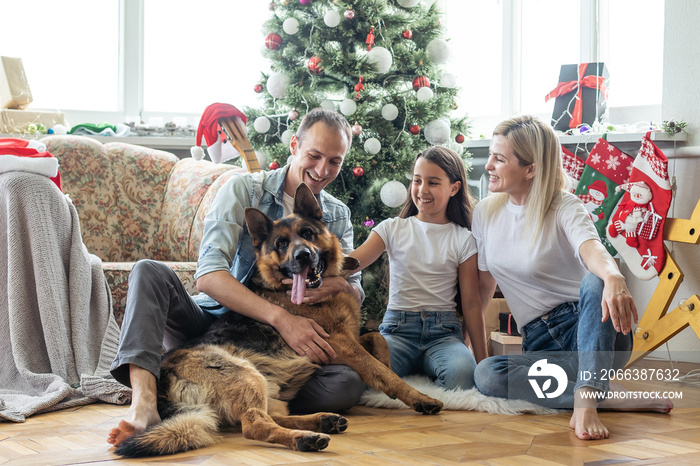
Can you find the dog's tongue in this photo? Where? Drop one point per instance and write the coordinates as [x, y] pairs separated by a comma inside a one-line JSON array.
[[299, 286]]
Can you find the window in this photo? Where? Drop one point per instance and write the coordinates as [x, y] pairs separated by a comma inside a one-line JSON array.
[[70, 51], [201, 52]]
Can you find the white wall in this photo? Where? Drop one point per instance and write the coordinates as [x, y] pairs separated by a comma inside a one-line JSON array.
[[681, 101]]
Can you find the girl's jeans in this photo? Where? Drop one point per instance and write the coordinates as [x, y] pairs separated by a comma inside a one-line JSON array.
[[571, 336], [429, 343]]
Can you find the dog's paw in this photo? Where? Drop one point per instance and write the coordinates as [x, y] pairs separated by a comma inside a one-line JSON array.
[[333, 424], [429, 406], [312, 442]]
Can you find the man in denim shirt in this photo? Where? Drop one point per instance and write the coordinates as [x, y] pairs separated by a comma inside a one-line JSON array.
[[160, 314]]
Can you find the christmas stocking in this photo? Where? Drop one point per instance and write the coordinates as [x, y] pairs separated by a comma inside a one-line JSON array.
[[573, 166], [606, 168], [637, 225]]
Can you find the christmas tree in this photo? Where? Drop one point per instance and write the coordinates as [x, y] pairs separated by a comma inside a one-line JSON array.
[[379, 63]]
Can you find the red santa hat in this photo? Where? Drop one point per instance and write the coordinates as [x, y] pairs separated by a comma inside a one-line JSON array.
[[218, 146], [28, 156], [600, 186], [628, 186]]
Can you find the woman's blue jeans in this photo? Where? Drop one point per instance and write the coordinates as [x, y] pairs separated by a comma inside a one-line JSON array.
[[571, 336], [429, 343]]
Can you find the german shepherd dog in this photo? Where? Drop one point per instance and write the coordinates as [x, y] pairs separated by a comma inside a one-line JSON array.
[[241, 373]]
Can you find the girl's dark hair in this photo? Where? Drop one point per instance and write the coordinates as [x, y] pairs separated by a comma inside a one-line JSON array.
[[460, 206]]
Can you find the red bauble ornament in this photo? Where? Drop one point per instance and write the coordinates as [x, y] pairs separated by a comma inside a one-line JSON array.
[[274, 165], [356, 129], [420, 81], [414, 129], [407, 34], [314, 65], [369, 223], [459, 138], [293, 114], [271, 6], [258, 88], [358, 171], [273, 41], [349, 14]]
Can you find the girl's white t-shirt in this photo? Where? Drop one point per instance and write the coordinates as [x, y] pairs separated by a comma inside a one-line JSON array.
[[423, 262], [534, 277]]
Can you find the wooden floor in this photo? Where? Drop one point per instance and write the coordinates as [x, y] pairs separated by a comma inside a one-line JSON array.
[[381, 436]]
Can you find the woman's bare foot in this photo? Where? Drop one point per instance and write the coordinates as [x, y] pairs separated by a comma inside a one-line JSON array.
[[585, 420], [634, 403]]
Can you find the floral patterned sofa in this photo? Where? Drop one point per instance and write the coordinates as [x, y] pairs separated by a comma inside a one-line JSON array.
[[137, 203]]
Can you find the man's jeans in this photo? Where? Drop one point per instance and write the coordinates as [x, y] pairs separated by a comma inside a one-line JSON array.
[[571, 336], [429, 343]]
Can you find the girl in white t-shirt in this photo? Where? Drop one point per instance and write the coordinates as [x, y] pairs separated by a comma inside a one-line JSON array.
[[431, 252]]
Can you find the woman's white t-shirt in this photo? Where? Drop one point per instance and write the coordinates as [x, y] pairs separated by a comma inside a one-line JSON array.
[[534, 277], [423, 262]]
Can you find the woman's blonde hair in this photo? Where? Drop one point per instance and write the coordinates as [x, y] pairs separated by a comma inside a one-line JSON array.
[[534, 143]]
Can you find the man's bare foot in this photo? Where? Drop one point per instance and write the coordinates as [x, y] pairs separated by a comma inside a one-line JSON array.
[[137, 419], [634, 403], [585, 420]]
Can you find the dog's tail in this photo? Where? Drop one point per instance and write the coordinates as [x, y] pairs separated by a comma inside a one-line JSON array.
[[190, 428]]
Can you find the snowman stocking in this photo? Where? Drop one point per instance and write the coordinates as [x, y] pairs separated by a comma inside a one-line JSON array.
[[636, 227], [606, 168]]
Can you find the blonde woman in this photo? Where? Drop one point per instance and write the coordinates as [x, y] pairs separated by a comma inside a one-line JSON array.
[[565, 291]]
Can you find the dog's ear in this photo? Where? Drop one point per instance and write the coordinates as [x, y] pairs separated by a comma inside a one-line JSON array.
[[259, 225], [305, 203]]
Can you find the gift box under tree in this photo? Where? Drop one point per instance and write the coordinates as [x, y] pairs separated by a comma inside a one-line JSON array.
[[581, 97]]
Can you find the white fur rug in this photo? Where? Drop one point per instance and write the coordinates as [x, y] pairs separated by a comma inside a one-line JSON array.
[[455, 400]]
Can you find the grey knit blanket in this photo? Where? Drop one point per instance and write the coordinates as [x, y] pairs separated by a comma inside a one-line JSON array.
[[57, 332]]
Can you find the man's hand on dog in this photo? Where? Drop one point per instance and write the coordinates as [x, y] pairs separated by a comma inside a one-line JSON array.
[[307, 338]]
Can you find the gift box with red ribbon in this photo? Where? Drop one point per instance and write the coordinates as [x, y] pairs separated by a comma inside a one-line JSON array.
[[581, 97]]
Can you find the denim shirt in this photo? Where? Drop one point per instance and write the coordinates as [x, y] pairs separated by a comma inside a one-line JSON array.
[[226, 243]]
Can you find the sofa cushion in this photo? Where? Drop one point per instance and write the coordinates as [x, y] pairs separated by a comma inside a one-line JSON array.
[[87, 177], [189, 182], [204, 206], [141, 176]]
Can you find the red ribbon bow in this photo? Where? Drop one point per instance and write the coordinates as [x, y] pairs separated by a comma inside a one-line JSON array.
[[593, 82]]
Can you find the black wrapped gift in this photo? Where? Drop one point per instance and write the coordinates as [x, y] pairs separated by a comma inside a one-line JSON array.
[[507, 323], [581, 97]]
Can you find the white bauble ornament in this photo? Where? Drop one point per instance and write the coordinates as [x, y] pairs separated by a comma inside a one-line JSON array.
[[380, 58], [438, 51], [408, 3], [262, 158], [437, 132], [424, 93], [290, 26], [287, 136], [348, 107], [456, 147], [393, 194], [261, 124], [277, 85], [331, 18], [448, 80], [327, 104], [390, 112], [373, 146]]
